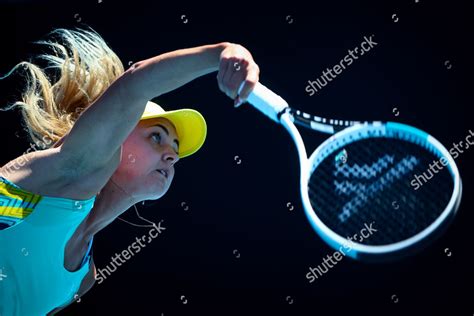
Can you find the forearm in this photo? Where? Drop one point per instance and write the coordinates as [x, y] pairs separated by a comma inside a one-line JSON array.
[[103, 127], [169, 71]]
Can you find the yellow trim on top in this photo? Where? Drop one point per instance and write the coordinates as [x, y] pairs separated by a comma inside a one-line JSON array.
[[15, 202]]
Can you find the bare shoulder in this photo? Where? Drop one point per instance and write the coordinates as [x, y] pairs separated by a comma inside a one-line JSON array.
[[35, 169], [48, 172]]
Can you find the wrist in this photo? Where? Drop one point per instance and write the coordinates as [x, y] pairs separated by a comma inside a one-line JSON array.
[[216, 51]]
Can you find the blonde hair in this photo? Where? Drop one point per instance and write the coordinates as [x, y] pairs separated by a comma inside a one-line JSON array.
[[86, 67]]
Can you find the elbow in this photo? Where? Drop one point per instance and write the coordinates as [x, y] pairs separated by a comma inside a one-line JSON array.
[[131, 83], [134, 67]]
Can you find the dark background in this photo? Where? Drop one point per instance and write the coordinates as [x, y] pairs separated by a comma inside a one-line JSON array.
[[238, 249]]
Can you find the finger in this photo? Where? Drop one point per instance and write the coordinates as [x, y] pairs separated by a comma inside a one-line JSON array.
[[237, 102], [227, 77], [235, 82], [249, 84], [220, 76]]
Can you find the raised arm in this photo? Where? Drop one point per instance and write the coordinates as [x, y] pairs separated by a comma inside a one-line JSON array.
[[105, 124]]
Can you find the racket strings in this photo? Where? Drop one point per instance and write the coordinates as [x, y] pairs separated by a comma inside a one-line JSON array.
[[374, 184]]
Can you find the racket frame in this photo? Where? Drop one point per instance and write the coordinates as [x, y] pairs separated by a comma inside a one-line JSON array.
[[337, 142], [278, 110]]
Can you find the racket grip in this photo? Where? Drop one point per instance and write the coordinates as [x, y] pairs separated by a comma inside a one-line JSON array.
[[266, 101]]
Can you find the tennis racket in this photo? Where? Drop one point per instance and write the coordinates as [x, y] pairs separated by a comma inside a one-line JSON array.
[[365, 190]]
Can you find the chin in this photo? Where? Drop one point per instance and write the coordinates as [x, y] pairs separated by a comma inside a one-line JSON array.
[[156, 189], [158, 194], [154, 198]]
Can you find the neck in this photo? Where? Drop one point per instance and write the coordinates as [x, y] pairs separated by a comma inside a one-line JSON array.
[[110, 203]]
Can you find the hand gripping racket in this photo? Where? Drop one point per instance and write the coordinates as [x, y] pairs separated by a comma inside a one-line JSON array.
[[370, 176]]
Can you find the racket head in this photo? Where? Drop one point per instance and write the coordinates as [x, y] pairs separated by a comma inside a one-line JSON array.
[[390, 155]]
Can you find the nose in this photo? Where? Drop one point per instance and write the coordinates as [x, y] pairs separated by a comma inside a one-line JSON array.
[[169, 155]]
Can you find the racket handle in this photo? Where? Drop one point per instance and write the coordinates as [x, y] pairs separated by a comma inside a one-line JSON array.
[[266, 101]]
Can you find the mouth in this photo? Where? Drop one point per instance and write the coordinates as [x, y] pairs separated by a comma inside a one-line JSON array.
[[163, 172]]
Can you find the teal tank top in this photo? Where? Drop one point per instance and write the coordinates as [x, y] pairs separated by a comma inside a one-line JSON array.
[[33, 279]]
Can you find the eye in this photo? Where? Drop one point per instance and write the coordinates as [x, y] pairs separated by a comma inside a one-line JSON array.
[[157, 134], [159, 140]]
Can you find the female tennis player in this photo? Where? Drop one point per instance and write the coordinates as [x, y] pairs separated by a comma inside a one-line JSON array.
[[104, 148]]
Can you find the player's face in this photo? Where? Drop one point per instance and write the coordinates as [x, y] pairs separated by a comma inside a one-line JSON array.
[[152, 146]]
